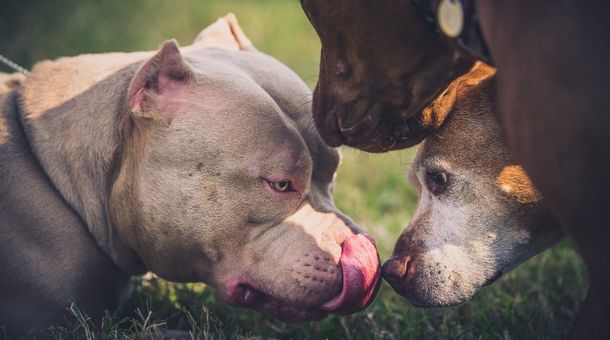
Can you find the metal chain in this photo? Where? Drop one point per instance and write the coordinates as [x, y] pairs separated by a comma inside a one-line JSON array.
[[13, 65]]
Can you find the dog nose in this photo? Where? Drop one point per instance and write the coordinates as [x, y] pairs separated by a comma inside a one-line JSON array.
[[396, 271]]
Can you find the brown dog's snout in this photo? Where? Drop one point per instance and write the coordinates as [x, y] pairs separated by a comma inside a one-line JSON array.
[[397, 270]]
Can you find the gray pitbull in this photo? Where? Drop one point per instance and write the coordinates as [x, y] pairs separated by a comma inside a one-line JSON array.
[[198, 164]]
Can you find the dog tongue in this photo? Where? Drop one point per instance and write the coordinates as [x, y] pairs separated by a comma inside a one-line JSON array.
[[360, 266]]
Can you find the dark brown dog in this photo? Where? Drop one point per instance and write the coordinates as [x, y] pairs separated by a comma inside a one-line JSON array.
[[375, 78], [381, 64]]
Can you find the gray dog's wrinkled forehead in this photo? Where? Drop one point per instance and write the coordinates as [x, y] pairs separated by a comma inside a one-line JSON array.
[[281, 83], [255, 73], [257, 80]]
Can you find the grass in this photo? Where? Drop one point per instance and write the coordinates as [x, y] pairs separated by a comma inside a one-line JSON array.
[[537, 300]]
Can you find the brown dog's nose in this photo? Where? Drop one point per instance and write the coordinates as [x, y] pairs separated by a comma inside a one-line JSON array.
[[396, 271]]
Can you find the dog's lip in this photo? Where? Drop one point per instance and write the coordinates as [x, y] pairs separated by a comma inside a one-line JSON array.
[[377, 143], [375, 138], [361, 272], [244, 293], [397, 145], [493, 278]]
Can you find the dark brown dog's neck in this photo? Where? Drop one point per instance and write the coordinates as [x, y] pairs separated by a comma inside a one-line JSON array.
[[441, 16], [76, 139]]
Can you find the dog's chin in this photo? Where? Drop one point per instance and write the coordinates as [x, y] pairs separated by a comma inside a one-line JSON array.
[[431, 301], [368, 125], [433, 294], [245, 295], [367, 131], [380, 145], [289, 312], [493, 278]]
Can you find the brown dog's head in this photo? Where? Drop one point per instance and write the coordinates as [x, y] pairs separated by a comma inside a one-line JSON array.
[[380, 65], [478, 214], [224, 181]]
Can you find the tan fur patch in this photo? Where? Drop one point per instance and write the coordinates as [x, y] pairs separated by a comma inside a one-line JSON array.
[[8, 81], [75, 75], [4, 135], [514, 181], [71, 77], [434, 115], [224, 33]]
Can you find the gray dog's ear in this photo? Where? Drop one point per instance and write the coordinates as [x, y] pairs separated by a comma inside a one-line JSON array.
[[225, 33], [158, 85]]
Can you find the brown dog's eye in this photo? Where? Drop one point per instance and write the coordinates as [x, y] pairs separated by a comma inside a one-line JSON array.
[[436, 181], [281, 186]]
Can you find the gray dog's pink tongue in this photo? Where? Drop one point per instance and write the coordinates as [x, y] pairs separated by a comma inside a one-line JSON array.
[[360, 266]]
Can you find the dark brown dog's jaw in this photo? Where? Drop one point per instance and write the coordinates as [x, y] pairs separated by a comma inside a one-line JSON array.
[[368, 123], [326, 121], [368, 135]]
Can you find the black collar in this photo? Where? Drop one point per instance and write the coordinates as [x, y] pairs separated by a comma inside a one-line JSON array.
[[468, 38]]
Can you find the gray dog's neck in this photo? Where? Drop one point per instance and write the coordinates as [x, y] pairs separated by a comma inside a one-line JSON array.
[[74, 131]]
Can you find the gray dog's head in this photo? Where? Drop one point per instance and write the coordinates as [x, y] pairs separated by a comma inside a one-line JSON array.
[[223, 180], [478, 214]]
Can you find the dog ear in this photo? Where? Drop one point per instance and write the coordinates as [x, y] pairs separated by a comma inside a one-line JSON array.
[[157, 89], [224, 33], [435, 114]]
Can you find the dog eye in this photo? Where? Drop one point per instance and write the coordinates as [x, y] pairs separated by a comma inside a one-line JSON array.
[[281, 186], [436, 181]]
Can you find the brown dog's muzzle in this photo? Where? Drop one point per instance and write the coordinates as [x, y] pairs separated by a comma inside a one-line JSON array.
[[380, 66], [366, 124]]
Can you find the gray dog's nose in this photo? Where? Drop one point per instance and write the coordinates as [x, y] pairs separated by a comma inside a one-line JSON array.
[[396, 271]]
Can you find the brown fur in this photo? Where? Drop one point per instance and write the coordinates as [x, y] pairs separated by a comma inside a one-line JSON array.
[[368, 94], [489, 219], [552, 101], [516, 183]]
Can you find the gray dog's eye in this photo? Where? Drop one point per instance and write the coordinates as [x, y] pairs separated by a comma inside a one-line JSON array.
[[436, 181], [281, 186]]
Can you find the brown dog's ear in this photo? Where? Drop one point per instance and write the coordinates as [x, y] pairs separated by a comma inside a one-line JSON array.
[[434, 114], [479, 72], [159, 85], [225, 33]]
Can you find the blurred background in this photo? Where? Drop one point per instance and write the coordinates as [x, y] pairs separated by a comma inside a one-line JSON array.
[[537, 300]]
